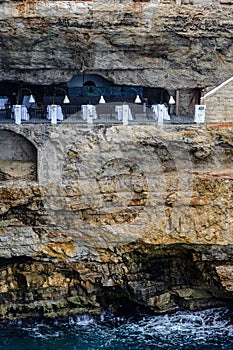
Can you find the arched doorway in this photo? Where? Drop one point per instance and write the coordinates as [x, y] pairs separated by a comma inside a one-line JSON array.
[[18, 157], [89, 83]]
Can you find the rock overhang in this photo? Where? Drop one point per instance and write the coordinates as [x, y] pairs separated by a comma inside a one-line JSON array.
[[135, 43]]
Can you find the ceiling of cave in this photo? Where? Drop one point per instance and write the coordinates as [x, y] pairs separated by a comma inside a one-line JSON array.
[[142, 43]]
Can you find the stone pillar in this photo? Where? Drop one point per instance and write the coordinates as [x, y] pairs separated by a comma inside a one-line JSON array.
[[18, 114], [53, 114]]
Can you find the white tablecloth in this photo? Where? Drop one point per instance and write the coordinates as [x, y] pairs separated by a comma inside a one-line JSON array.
[[119, 110], [160, 110], [60, 115], [24, 112], [85, 111], [3, 102]]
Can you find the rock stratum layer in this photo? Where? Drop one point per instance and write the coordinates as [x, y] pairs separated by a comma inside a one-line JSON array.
[[146, 43], [119, 217]]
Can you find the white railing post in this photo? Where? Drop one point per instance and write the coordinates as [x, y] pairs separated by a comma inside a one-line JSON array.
[[18, 114], [125, 117], [144, 107], [53, 114], [160, 114], [90, 113]]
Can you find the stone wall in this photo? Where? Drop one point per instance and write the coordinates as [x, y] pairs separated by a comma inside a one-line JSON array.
[[219, 105], [121, 216]]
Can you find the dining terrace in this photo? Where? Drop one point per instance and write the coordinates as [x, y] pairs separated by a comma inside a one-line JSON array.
[[107, 113], [93, 99]]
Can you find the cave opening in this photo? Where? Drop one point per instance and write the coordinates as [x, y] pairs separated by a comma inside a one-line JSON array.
[[85, 89]]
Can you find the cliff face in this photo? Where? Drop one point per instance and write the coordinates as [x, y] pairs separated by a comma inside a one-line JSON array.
[[111, 216], [144, 43], [120, 216]]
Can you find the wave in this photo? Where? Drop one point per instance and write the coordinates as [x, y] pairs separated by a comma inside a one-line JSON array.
[[209, 329]]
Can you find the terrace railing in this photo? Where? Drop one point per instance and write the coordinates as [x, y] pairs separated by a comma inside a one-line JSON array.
[[105, 113]]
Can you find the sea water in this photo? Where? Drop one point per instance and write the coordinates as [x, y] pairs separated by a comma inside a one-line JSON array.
[[210, 329]]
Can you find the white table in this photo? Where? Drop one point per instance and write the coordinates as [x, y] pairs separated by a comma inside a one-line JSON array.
[[23, 112], [119, 110], [89, 110], [60, 115], [160, 111]]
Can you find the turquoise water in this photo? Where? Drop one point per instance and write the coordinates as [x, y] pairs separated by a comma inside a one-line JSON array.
[[211, 329]]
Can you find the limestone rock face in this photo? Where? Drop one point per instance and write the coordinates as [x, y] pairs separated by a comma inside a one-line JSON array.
[[119, 216], [149, 43]]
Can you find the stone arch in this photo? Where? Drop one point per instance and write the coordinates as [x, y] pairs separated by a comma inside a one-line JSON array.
[[18, 157], [89, 83]]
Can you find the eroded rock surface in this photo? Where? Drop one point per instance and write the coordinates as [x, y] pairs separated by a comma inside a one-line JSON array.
[[119, 217], [148, 43]]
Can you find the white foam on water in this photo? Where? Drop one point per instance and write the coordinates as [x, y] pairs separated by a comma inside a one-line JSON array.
[[210, 329], [83, 320]]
